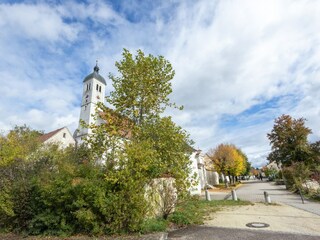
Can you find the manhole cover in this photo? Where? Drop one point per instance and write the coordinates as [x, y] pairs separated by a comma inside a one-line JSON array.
[[257, 225]]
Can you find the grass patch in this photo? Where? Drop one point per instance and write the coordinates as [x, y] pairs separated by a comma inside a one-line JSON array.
[[223, 186], [154, 225], [194, 210]]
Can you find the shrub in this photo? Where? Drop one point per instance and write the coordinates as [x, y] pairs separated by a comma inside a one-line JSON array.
[[56, 194], [296, 175]]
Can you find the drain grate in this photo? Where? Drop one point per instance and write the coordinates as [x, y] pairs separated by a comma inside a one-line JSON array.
[[257, 225]]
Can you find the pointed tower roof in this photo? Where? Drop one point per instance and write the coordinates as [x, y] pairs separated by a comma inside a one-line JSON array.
[[95, 75]]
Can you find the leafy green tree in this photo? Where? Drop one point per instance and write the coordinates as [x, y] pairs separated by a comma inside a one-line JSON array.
[[315, 160], [248, 168], [140, 96], [15, 149], [143, 86], [18, 144], [315, 152], [172, 147], [289, 141], [136, 143]]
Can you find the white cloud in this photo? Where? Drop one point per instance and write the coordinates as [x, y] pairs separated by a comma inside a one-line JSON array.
[[238, 54], [39, 22], [248, 60]]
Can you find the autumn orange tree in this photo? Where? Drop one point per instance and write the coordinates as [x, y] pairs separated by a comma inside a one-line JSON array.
[[228, 160]]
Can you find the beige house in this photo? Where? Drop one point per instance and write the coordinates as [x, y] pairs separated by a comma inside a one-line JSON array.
[[211, 174], [61, 136], [274, 166]]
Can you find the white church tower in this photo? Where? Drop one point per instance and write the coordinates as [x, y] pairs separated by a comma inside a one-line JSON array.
[[94, 87]]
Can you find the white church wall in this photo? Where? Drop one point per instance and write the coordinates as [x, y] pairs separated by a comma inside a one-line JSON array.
[[196, 170], [195, 188]]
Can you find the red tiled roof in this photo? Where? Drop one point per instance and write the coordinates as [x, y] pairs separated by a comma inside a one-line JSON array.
[[46, 136]]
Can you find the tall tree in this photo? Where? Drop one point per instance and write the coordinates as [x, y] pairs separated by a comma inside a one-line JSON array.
[[289, 140], [222, 157], [228, 159], [143, 86], [141, 94]]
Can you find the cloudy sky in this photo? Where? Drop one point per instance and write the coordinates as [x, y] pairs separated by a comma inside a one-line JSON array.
[[239, 64]]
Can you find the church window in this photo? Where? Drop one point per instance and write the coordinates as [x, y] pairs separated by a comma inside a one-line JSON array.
[[97, 88], [64, 135], [100, 89], [89, 86]]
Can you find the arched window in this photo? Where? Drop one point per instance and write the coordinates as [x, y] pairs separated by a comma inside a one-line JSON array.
[[100, 89], [97, 88]]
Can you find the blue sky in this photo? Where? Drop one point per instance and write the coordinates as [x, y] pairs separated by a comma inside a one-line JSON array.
[[239, 64]]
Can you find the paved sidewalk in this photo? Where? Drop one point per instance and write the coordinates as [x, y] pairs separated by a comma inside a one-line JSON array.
[[253, 191], [280, 218], [288, 219]]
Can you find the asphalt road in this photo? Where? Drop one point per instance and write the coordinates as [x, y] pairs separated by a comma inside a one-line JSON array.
[[214, 233]]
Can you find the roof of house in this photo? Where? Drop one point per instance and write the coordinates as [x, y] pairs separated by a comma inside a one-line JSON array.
[[46, 136]]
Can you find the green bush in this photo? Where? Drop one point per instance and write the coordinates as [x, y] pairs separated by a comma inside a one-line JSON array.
[[56, 194], [296, 175]]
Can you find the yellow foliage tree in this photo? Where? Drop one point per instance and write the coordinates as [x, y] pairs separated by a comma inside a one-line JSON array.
[[228, 159]]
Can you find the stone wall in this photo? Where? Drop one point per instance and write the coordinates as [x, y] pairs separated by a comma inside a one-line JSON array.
[[212, 177], [161, 194]]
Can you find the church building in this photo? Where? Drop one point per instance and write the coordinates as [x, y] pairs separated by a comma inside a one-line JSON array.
[[93, 92]]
